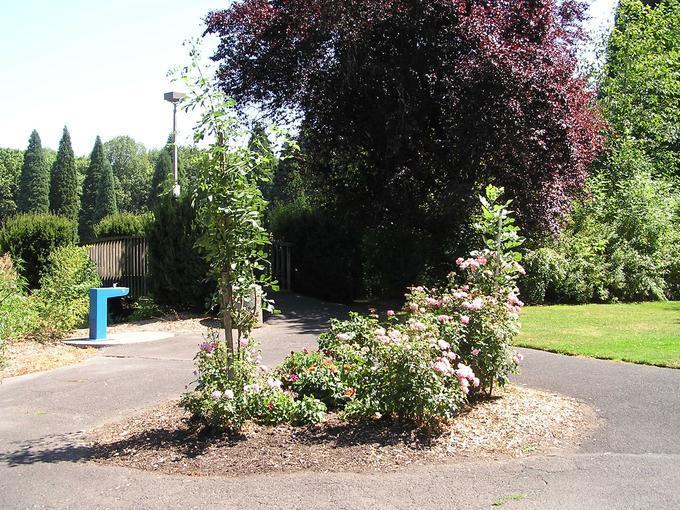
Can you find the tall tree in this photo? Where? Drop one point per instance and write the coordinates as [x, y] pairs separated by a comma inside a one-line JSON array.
[[34, 187], [132, 171], [64, 193], [409, 107], [106, 194], [90, 189], [162, 178], [639, 91]]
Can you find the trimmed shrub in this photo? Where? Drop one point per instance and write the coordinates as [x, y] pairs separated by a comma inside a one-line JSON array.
[[62, 302], [178, 272], [123, 224], [32, 237]]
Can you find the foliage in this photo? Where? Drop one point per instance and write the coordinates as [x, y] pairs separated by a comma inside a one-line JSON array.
[[639, 86], [32, 237], [178, 273], [636, 332], [261, 148], [145, 308], [62, 301], [11, 162], [105, 204], [14, 318], [407, 108], [618, 245], [450, 344], [34, 186], [132, 172], [123, 224], [64, 192]]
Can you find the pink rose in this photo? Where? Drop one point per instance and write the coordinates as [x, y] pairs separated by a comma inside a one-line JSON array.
[[465, 320], [475, 352], [390, 313]]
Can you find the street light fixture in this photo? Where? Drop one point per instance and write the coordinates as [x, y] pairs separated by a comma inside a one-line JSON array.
[[174, 98]]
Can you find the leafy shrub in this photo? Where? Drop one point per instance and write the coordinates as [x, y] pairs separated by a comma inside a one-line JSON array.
[[618, 245], [312, 374], [123, 224], [62, 301], [32, 237], [145, 308], [178, 272]]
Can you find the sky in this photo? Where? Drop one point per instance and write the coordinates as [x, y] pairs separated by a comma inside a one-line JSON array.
[[100, 67]]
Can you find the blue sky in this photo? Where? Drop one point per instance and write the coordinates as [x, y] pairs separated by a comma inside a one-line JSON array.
[[100, 67]]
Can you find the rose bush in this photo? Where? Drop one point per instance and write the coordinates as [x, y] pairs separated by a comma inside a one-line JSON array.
[[420, 365]]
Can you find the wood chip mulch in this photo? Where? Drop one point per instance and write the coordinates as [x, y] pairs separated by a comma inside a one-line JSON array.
[[521, 422]]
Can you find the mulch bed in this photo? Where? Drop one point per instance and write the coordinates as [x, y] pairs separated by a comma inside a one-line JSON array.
[[27, 356], [520, 422]]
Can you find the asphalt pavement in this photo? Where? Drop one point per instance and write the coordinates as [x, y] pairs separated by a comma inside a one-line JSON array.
[[631, 461]]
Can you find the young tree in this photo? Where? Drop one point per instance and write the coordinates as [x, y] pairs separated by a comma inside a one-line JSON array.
[[34, 187], [229, 209], [105, 204], [91, 189], [64, 195]]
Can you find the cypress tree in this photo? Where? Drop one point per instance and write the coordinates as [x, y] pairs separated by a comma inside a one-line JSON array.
[[90, 187], [161, 181], [64, 199], [34, 187], [105, 204]]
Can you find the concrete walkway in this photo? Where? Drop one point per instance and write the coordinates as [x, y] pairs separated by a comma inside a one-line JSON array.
[[632, 461]]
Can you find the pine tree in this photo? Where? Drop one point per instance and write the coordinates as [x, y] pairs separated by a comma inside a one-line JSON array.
[[34, 187], [106, 194], [162, 178], [90, 187], [64, 199]]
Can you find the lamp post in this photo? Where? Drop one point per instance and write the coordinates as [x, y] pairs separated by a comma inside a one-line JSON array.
[[174, 98]]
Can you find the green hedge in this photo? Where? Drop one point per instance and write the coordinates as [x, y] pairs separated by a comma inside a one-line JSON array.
[[32, 237], [123, 225]]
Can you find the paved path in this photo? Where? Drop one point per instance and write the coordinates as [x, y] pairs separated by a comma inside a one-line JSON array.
[[632, 461]]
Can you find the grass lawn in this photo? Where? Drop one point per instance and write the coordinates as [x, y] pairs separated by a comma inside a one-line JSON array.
[[640, 332]]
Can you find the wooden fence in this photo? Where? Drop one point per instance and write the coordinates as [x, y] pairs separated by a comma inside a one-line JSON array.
[[122, 261]]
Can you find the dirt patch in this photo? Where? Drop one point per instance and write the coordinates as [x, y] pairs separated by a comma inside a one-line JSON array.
[[25, 357], [521, 422]]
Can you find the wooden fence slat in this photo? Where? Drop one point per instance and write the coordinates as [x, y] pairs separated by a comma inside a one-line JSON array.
[[122, 261]]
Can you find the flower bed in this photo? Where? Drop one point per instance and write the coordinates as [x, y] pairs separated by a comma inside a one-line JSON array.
[[420, 366]]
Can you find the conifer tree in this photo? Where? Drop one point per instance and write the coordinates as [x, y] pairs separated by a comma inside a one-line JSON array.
[[161, 181], [105, 204], [64, 199], [34, 187], [90, 188], [261, 148]]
